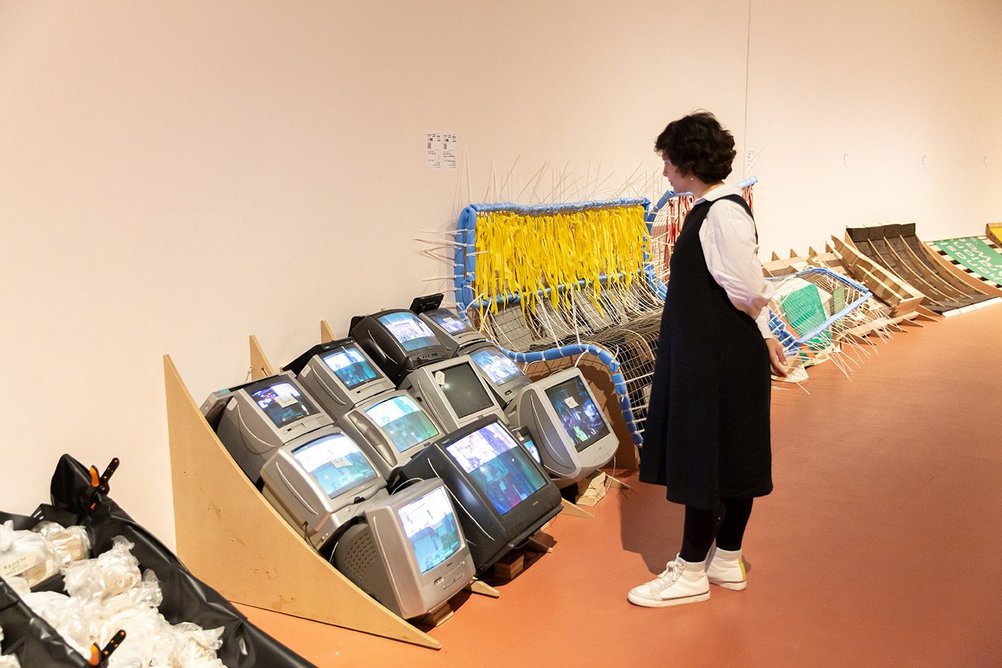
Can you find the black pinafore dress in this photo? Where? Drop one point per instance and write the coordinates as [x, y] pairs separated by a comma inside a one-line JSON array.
[[707, 432]]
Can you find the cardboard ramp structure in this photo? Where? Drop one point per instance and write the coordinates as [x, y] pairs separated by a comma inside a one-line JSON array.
[[976, 256], [899, 251]]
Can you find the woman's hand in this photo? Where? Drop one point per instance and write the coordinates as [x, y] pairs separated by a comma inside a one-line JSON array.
[[777, 357]]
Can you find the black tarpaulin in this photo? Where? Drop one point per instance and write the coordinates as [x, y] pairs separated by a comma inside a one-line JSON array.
[[185, 597]]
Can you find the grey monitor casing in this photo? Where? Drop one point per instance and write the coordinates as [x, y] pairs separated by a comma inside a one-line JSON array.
[[533, 411], [491, 533], [393, 357], [378, 558], [333, 395], [303, 503], [504, 392], [454, 341], [422, 384], [249, 434], [371, 438]]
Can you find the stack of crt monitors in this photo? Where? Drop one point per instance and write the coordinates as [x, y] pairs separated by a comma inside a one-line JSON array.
[[454, 393], [326, 483], [351, 388], [503, 494], [412, 356], [557, 417]]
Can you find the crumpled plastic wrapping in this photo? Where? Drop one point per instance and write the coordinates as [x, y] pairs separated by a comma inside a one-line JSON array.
[[108, 593], [27, 554], [111, 573], [185, 598], [39, 554], [70, 544]]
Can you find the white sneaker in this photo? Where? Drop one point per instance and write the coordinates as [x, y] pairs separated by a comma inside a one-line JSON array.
[[682, 582], [727, 569]]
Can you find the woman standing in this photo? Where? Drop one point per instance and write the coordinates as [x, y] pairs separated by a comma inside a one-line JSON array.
[[707, 433]]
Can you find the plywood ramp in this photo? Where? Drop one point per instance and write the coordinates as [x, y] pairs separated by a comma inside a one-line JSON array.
[[891, 289], [260, 366], [229, 535], [326, 333]]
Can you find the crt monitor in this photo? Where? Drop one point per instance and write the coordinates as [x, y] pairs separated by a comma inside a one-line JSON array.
[[339, 375], [410, 554], [453, 392], [262, 416], [320, 486], [573, 435], [529, 443], [392, 427], [454, 332], [502, 375], [502, 495], [398, 341]]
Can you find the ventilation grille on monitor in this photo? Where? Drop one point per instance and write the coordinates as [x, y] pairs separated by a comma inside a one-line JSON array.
[[362, 554]]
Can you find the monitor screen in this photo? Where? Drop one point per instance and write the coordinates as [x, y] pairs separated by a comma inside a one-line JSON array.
[[497, 366], [429, 523], [464, 391], [409, 331], [578, 414], [530, 445], [336, 463], [449, 322], [282, 403], [350, 366], [500, 468], [403, 421]]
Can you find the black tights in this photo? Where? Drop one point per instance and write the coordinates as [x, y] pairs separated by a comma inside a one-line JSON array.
[[702, 525]]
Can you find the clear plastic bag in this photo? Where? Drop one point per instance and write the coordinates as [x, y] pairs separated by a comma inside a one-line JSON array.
[[107, 594], [69, 616], [69, 544], [195, 646], [27, 554], [111, 573], [18, 584]]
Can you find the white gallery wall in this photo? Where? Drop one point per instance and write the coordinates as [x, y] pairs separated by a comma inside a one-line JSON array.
[[175, 176]]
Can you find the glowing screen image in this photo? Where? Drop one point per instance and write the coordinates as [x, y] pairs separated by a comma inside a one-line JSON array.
[[464, 391], [409, 331], [403, 422], [350, 366], [430, 525], [282, 403], [579, 415], [530, 445], [450, 323], [336, 463], [499, 467], [496, 365]]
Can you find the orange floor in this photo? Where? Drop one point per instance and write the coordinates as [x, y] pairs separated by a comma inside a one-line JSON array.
[[880, 546]]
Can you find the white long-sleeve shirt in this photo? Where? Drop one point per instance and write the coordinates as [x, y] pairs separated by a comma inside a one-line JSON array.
[[731, 252]]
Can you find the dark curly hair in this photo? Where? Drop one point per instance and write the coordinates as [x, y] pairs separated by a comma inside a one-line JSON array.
[[697, 144]]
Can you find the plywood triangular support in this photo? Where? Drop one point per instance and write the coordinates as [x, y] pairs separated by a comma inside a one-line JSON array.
[[574, 510], [230, 536], [260, 366], [326, 333]]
